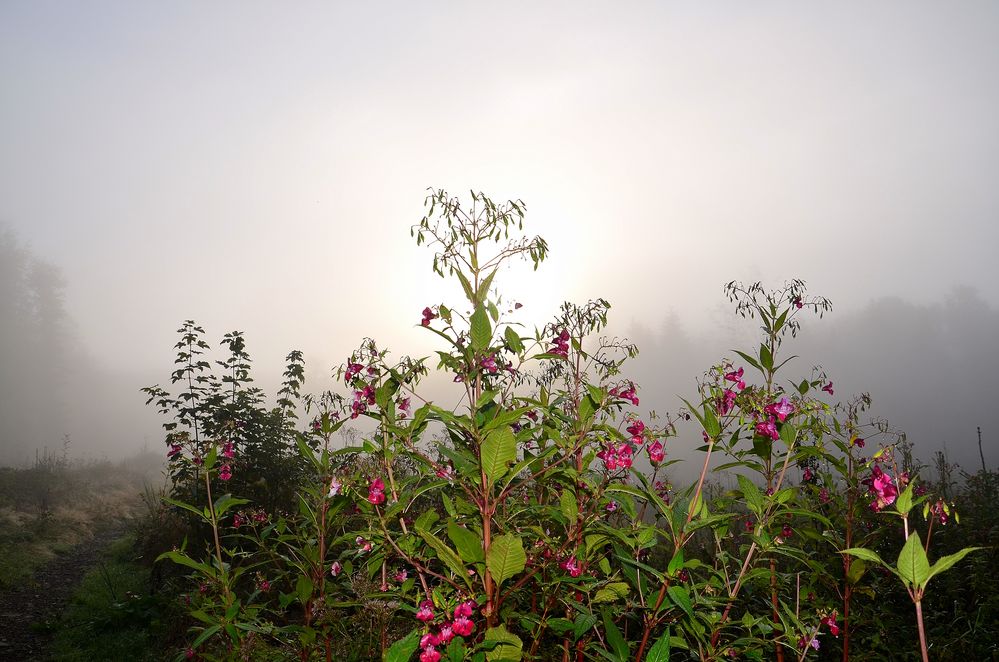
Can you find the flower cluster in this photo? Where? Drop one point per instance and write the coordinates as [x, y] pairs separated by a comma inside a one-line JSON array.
[[461, 625], [428, 316], [625, 394], [881, 486], [561, 347]]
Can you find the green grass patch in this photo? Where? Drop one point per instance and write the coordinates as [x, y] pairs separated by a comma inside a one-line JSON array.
[[112, 616]]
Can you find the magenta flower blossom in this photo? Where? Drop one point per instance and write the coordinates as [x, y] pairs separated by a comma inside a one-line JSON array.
[[227, 450], [781, 409], [629, 394], [225, 472], [376, 491], [571, 566], [446, 634], [463, 626], [727, 402], [465, 609], [401, 576], [736, 377], [335, 487], [428, 316], [561, 347], [336, 568], [882, 487], [636, 430], [828, 388], [404, 407], [489, 365], [830, 621], [768, 429], [363, 545], [611, 506], [798, 303], [807, 475], [237, 520], [824, 495], [429, 639], [430, 654], [656, 452], [174, 451], [353, 369], [426, 612]]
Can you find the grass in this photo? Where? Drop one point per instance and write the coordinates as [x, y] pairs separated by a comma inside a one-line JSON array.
[[112, 615]]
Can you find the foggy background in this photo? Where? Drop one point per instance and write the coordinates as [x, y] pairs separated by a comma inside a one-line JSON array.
[[257, 166]]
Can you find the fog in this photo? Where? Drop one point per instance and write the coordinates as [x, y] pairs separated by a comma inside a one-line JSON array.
[[255, 166]]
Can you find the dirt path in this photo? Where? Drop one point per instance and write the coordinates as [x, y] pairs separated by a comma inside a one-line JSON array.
[[24, 611]]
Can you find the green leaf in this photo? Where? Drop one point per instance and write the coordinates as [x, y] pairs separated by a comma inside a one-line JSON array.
[[446, 555], [481, 331], [904, 502], [582, 624], [506, 557], [681, 599], [946, 562], [484, 286], [866, 554], [513, 340], [188, 507], [611, 593], [510, 647], [303, 588], [766, 358], [752, 494], [402, 650], [857, 570], [568, 506], [660, 650], [913, 566], [614, 637], [498, 451], [468, 543]]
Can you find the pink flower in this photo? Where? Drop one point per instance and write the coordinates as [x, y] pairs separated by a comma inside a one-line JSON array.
[[463, 626], [335, 487], [830, 620], [401, 576], [768, 429], [364, 545], [881, 487], [353, 369], [807, 476], [571, 566], [426, 611], [636, 430], [786, 531], [797, 303], [264, 586], [225, 472], [727, 402], [404, 406], [237, 520], [736, 376], [828, 388], [428, 315], [174, 451], [336, 568], [465, 609], [611, 506], [227, 450], [656, 452], [446, 472], [824, 495], [430, 654], [446, 634], [561, 347], [489, 364], [376, 491], [429, 639], [781, 409]]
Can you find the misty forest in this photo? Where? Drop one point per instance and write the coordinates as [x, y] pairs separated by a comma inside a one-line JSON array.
[[265, 396]]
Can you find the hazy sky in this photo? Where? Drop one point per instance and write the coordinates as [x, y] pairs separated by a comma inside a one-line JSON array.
[[257, 166]]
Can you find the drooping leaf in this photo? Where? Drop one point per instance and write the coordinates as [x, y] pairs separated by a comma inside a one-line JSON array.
[[506, 557]]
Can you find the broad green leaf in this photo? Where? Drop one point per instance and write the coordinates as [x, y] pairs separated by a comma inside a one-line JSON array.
[[857, 569], [866, 554], [446, 555], [752, 494], [946, 562], [468, 543], [681, 599], [611, 593], [402, 650], [481, 331], [498, 451], [913, 566], [506, 557], [509, 648], [513, 340], [582, 624], [904, 502], [660, 650], [303, 588], [614, 637], [568, 506]]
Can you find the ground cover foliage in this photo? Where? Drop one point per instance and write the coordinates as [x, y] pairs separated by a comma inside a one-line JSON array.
[[537, 520]]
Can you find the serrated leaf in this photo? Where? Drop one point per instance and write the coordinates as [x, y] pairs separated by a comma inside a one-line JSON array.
[[611, 592], [681, 599], [660, 650], [498, 451], [468, 543], [913, 566], [509, 648], [513, 340], [506, 557], [752, 494], [446, 555], [568, 506], [481, 331], [402, 650], [946, 562]]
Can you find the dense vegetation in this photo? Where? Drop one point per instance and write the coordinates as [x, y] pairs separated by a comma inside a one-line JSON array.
[[537, 519]]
